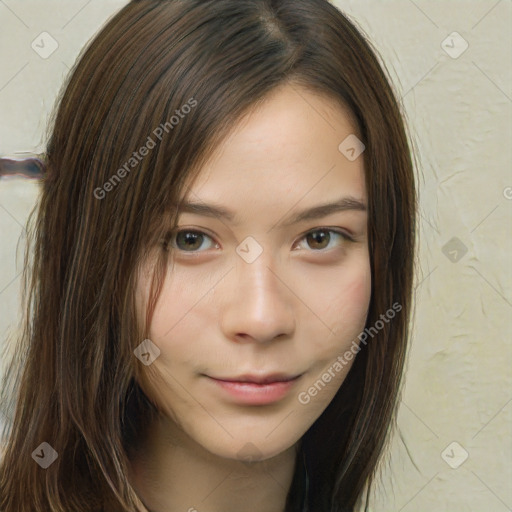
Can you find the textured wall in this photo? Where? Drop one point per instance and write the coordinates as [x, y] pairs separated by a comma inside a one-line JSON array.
[[451, 65]]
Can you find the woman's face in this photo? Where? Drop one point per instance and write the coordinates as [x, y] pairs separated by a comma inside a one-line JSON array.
[[262, 302]]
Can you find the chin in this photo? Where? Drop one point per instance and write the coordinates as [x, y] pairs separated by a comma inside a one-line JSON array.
[[250, 450]]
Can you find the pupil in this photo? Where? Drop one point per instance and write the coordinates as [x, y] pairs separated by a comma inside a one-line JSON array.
[[319, 237], [190, 239]]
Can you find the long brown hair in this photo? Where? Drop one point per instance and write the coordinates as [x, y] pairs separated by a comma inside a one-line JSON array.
[[174, 76]]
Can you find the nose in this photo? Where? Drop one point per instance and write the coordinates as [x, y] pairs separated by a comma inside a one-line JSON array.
[[259, 305]]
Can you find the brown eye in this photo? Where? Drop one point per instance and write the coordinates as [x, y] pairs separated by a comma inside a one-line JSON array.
[[189, 240], [322, 238], [318, 239]]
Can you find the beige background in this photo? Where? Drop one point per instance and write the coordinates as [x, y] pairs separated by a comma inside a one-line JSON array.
[[459, 108]]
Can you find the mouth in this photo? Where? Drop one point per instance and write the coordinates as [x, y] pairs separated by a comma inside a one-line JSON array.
[[256, 389], [261, 379]]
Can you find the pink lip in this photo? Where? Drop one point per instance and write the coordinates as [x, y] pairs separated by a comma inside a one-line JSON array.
[[254, 390]]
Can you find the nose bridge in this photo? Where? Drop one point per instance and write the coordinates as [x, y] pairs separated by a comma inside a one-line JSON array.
[[259, 280], [259, 304]]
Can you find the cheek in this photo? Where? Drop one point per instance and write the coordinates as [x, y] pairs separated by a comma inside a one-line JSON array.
[[183, 314], [350, 305], [345, 311], [342, 302]]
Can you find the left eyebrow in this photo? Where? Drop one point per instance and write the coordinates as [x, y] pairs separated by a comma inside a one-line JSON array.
[[323, 210], [315, 212]]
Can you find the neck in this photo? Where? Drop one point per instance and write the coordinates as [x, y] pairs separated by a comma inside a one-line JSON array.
[[171, 472]]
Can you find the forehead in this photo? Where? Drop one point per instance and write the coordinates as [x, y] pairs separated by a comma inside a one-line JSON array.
[[283, 152]]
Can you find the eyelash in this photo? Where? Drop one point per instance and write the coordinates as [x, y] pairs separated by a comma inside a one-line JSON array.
[[171, 236]]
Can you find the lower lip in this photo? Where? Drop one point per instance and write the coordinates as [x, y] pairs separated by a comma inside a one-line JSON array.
[[256, 394]]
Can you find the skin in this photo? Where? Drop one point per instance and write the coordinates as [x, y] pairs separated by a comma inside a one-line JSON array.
[[297, 307]]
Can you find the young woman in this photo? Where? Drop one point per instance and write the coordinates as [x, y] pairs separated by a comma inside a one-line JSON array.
[[220, 282]]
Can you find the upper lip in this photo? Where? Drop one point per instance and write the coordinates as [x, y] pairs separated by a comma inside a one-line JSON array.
[[260, 379]]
